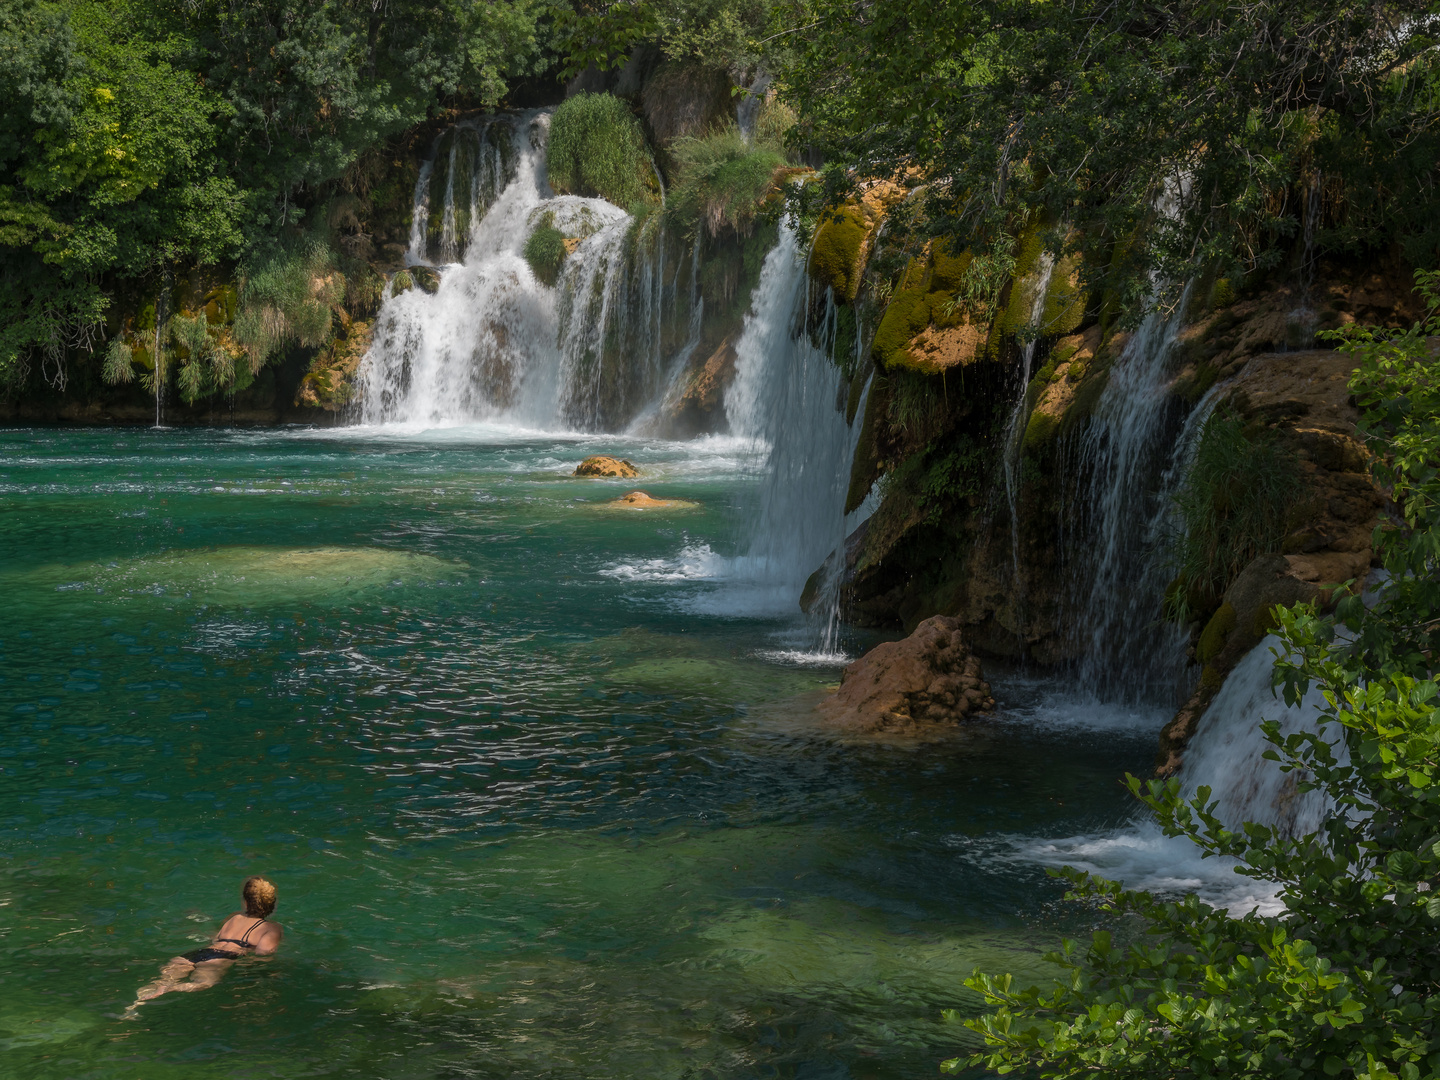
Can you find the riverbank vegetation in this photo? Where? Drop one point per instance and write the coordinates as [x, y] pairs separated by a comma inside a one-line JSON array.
[[145, 138], [1343, 982]]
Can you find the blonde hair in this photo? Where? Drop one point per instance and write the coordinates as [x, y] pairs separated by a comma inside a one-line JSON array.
[[259, 897]]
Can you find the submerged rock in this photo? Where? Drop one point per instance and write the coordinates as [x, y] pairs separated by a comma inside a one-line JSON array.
[[604, 465], [639, 500], [908, 686]]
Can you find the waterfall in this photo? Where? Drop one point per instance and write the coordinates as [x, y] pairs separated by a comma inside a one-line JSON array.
[[1015, 426], [1226, 755], [1131, 459], [783, 404], [494, 343]]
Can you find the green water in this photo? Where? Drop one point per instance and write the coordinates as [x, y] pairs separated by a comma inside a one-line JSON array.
[[535, 782]]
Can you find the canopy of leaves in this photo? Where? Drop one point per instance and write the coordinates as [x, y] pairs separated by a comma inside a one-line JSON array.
[[1163, 135], [145, 136]]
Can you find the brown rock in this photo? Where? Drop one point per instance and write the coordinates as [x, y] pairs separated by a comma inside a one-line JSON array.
[[606, 466], [912, 685], [639, 500]]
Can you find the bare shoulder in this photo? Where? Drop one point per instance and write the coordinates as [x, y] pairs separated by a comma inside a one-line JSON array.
[[270, 937]]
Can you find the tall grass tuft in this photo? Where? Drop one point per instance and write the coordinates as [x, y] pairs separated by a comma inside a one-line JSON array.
[[721, 180], [596, 147], [288, 299], [1240, 500]]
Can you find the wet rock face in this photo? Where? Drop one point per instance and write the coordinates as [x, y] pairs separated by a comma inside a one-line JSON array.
[[912, 685], [604, 465]]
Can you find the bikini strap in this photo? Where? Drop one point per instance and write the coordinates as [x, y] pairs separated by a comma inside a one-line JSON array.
[[245, 937]]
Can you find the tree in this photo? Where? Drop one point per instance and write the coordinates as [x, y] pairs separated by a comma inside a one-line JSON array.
[[1156, 136]]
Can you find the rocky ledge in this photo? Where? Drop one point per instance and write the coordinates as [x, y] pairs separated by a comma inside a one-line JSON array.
[[911, 686]]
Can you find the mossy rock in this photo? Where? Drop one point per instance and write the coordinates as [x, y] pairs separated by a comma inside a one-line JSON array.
[[1195, 387], [1065, 300], [427, 278], [857, 388], [1216, 633], [947, 272], [401, 282], [837, 255], [1040, 431], [906, 315]]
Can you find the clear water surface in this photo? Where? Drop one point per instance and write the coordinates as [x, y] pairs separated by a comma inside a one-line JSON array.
[[534, 776]]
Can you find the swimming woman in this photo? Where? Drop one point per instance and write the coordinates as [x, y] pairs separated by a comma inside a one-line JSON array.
[[246, 933]]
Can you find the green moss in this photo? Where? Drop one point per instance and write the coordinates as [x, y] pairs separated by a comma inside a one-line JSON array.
[[907, 314], [1264, 621], [402, 282], [857, 388], [947, 272], [1088, 389], [1194, 388], [1215, 634], [1040, 431], [545, 250], [1065, 301], [1014, 314], [597, 147], [836, 255], [1222, 295]]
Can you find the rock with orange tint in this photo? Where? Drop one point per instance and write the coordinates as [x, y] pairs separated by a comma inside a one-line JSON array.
[[638, 500], [603, 465], [911, 686]]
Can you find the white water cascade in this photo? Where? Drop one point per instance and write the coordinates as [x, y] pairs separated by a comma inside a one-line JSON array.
[[1132, 457], [493, 342], [1226, 754], [1015, 426], [783, 403]]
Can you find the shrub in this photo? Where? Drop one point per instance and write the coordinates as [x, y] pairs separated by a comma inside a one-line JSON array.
[[118, 359], [596, 147], [1237, 502], [545, 250], [288, 299], [721, 180]]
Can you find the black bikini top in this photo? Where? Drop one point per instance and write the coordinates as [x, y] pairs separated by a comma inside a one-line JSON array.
[[244, 942]]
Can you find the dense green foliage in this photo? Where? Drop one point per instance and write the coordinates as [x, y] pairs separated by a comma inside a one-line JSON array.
[[1347, 981], [596, 147], [1236, 503], [545, 250], [1149, 135], [142, 137], [721, 180]]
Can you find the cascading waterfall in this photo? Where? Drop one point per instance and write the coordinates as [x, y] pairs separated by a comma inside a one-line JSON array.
[[783, 402], [1132, 457], [493, 343], [1226, 754], [1015, 427]]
